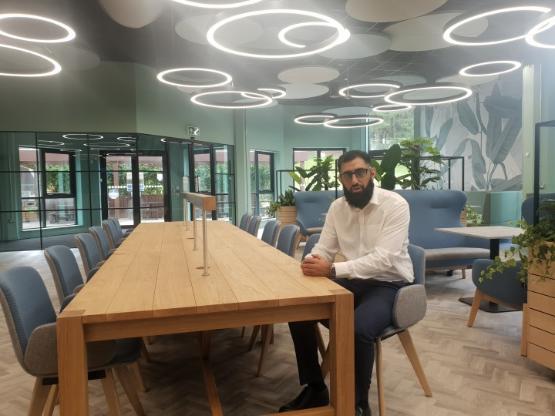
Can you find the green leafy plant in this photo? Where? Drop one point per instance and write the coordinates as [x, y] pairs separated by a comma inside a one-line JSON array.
[[420, 174], [473, 217], [385, 170], [284, 200], [317, 177], [536, 245]]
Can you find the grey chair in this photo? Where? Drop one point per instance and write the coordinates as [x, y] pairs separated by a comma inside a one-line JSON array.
[[254, 224], [244, 223], [112, 233], [310, 243], [65, 271], [101, 240], [123, 233], [90, 253], [288, 239], [31, 321], [270, 232]]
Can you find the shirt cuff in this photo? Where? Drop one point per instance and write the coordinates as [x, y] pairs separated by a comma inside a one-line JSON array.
[[342, 269]]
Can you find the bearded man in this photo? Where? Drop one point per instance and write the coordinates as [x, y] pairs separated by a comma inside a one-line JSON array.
[[369, 225]]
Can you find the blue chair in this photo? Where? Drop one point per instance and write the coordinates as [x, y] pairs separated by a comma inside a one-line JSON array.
[[288, 239], [270, 232], [121, 232], [90, 253], [31, 321], [310, 243], [311, 209], [101, 240], [528, 206], [254, 224], [65, 271], [244, 223], [112, 232]]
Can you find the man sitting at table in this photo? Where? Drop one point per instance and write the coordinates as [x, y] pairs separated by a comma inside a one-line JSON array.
[[369, 225]]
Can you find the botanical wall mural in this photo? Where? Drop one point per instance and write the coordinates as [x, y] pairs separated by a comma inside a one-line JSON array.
[[486, 130]]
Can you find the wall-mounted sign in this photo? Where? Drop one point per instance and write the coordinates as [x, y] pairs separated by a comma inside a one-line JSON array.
[[193, 131]]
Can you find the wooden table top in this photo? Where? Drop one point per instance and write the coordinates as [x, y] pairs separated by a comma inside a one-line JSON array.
[[488, 232], [156, 273]]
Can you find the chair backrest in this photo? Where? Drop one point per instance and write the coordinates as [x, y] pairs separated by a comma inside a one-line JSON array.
[[90, 253], [310, 243], [528, 207], [26, 306], [270, 231], [244, 223], [116, 227], [65, 270], [418, 258], [311, 207], [287, 240], [254, 225], [101, 240], [111, 232]]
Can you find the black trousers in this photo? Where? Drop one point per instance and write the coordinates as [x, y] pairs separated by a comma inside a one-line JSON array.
[[373, 301]]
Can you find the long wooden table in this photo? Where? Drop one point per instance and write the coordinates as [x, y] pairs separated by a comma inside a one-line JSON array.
[[153, 285]]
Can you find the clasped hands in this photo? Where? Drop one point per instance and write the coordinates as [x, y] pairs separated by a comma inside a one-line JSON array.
[[315, 265]]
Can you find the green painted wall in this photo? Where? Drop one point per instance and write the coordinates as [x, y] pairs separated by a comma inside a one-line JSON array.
[[547, 145]]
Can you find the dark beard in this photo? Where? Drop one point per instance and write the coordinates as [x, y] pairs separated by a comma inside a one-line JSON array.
[[359, 200]]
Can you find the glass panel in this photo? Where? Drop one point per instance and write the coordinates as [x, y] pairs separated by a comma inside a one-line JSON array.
[[264, 172], [125, 216], [118, 162], [202, 169], [151, 163], [119, 189], [30, 218], [60, 212], [152, 214], [264, 204], [58, 183], [151, 185], [28, 159]]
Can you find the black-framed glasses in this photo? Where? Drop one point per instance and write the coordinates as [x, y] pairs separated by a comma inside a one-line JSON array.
[[359, 173]]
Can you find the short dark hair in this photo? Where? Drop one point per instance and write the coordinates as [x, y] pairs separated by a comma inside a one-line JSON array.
[[352, 155]]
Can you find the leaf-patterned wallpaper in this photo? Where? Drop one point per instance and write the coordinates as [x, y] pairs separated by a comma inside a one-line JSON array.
[[486, 130]]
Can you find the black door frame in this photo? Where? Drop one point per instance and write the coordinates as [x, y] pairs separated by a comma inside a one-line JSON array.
[[257, 181]]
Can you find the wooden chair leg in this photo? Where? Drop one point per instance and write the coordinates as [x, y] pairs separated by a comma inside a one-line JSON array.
[[266, 338], [109, 387], [325, 366], [320, 340], [379, 377], [127, 382], [144, 351], [243, 331], [205, 337], [38, 400], [135, 369], [478, 297], [524, 337], [52, 400], [408, 345], [254, 334], [273, 332]]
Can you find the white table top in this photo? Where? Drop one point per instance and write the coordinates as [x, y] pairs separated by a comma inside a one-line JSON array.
[[489, 232]]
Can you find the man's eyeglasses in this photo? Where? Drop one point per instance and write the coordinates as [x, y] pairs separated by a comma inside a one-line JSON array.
[[359, 173]]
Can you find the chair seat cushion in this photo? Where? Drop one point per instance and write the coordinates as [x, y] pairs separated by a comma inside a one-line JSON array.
[[450, 253]]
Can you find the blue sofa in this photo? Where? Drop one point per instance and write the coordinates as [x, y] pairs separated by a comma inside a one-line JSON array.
[[311, 209]]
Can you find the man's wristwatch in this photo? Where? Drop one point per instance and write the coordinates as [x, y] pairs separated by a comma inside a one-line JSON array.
[[332, 271]]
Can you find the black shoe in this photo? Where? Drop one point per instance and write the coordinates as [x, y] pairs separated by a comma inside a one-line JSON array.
[[363, 410], [308, 398]]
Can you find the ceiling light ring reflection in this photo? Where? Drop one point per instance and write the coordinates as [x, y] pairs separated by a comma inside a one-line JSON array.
[[392, 108], [342, 34], [536, 30], [279, 92], [83, 136], [464, 93], [126, 139], [513, 66], [217, 5], [100, 146], [50, 142], [456, 23], [56, 67], [390, 85], [265, 99], [305, 118], [69, 36], [370, 121], [282, 35], [227, 78]]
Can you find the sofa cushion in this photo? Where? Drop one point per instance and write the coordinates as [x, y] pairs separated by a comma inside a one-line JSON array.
[[452, 253]]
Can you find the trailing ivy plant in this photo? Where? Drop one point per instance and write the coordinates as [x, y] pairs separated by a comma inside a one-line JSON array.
[[535, 246], [284, 200]]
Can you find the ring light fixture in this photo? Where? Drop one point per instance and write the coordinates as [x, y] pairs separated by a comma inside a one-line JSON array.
[[463, 92], [265, 99], [82, 136], [458, 22], [388, 85], [56, 67], [274, 93], [217, 5], [539, 28], [392, 108], [226, 77], [69, 35], [308, 119], [282, 35], [342, 34], [126, 139], [370, 121], [512, 66]]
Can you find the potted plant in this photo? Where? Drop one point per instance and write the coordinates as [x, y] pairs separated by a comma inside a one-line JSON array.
[[284, 208], [317, 177]]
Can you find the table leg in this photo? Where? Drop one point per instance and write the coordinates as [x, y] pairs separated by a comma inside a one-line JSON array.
[[72, 365], [342, 355]]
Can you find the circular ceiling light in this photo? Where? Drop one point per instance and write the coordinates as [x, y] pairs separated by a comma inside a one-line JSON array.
[[217, 5], [282, 35], [460, 94], [512, 66], [342, 34], [370, 121], [100, 146], [263, 98], [313, 119], [69, 35], [274, 93], [387, 85], [56, 67], [536, 30], [126, 139], [392, 108], [226, 77], [82, 136], [449, 35]]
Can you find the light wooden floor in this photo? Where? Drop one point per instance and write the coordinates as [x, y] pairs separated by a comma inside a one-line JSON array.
[[472, 371]]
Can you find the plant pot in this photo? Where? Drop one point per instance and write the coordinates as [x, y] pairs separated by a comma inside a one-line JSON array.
[[287, 215]]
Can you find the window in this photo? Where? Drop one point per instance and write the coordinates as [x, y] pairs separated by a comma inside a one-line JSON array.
[[306, 158], [395, 128], [262, 181], [29, 182], [58, 188]]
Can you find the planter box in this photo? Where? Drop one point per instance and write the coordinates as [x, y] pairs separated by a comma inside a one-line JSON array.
[[287, 215]]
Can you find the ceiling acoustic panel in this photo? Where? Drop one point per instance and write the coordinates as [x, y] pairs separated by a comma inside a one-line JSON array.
[[308, 75], [360, 46], [405, 79], [426, 33], [468, 81], [390, 10], [298, 91], [133, 13], [194, 28]]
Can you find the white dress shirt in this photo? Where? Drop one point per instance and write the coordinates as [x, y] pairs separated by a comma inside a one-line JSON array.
[[374, 239]]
